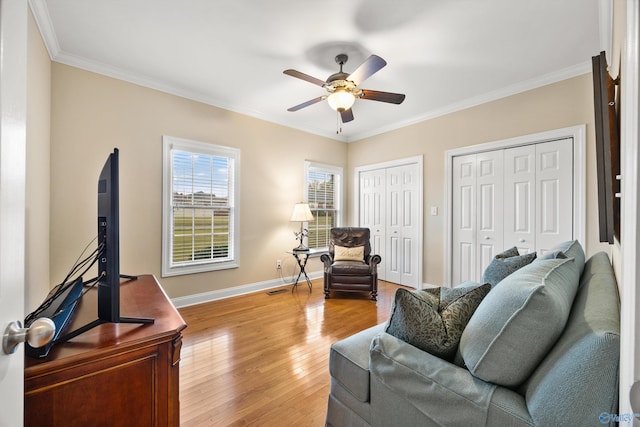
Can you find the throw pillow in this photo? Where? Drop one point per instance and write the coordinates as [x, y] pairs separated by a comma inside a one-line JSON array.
[[433, 319], [341, 253], [505, 264], [519, 321]]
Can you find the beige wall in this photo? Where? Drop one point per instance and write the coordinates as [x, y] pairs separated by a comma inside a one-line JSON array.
[[92, 114], [555, 106], [37, 178]]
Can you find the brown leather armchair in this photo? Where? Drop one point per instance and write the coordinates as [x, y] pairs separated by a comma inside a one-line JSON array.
[[349, 265]]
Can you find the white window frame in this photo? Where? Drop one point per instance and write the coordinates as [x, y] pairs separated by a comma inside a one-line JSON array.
[[310, 166], [170, 143]]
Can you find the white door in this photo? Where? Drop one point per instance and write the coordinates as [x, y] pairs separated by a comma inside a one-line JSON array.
[[372, 211], [489, 179], [554, 194], [519, 198], [13, 39], [402, 225], [464, 219]]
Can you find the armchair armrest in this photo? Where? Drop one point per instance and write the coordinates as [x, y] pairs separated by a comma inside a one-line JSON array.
[[326, 260]]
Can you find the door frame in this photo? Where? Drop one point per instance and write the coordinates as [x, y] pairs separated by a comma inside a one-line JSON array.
[[578, 133], [418, 161], [630, 246]]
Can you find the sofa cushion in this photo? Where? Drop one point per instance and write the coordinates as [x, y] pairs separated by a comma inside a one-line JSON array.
[[433, 319], [519, 321], [504, 264], [342, 253], [571, 249], [357, 268]]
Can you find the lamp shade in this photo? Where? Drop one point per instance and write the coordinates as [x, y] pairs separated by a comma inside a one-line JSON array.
[[341, 100], [301, 213]]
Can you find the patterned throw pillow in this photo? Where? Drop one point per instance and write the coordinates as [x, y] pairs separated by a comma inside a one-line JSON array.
[[433, 319], [504, 264], [341, 253]]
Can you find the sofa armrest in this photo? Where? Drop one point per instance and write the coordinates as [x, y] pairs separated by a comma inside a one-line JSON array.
[[412, 387]]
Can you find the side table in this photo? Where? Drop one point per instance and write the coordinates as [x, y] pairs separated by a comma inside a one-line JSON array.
[[301, 258]]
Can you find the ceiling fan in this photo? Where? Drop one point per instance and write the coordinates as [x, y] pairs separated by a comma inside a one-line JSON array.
[[343, 88]]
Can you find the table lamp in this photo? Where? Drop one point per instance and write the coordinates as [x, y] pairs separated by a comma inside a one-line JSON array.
[[301, 213]]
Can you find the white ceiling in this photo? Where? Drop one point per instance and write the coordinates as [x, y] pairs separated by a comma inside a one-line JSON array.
[[445, 55]]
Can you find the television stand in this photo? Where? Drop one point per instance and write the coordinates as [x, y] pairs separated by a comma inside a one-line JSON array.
[[131, 371]]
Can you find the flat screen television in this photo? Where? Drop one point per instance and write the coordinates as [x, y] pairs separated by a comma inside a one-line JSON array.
[[607, 149], [108, 251]]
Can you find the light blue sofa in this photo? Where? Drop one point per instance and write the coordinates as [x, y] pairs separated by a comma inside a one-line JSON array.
[[379, 380]]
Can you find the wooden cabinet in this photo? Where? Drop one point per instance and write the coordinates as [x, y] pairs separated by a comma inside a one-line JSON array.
[[116, 374]]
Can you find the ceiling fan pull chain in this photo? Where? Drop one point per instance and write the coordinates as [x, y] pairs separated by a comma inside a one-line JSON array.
[[338, 123]]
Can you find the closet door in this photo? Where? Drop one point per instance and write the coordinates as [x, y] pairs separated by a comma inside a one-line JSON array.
[[464, 219], [402, 225], [489, 181], [372, 211], [554, 193], [519, 198]]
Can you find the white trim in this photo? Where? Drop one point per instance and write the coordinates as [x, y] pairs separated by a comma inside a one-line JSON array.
[[168, 143], [578, 133], [605, 26], [417, 160], [41, 15], [630, 156], [514, 89], [235, 291]]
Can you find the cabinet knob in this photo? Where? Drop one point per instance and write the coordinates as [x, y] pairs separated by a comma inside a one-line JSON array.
[[487, 238], [521, 240]]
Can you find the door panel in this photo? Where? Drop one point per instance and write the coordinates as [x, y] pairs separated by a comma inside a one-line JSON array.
[[372, 211], [410, 226], [13, 95], [393, 271], [489, 181], [390, 208], [554, 199], [519, 198], [464, 218]]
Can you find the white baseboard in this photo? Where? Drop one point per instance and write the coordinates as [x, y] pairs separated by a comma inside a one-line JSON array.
[[236, 291]]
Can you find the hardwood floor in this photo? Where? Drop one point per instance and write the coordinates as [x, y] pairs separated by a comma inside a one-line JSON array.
[[263, 359]]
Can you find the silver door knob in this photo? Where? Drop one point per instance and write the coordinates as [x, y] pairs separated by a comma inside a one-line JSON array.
[[40, 333]]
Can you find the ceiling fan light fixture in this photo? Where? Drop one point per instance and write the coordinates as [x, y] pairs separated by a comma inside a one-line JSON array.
[[341, 100]]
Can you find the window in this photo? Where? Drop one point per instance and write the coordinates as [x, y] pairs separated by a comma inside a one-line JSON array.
[[323, 188], [200, 212]]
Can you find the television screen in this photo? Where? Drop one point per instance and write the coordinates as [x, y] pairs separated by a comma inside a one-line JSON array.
[[607, 149], [109, 241]]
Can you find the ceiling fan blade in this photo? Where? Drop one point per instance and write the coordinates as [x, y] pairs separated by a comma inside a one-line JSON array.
[[346, 115], [306, 104], [374, 95], [305, 77], [369, 67]]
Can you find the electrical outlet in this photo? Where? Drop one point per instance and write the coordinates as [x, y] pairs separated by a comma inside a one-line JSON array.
[[278, 264]]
